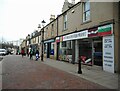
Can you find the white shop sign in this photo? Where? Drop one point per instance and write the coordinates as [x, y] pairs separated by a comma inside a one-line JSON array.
[[108, 53], [78, 35]]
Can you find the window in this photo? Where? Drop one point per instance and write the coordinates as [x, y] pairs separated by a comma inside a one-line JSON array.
[[45, 48], [52, 49], [46, 32], [38, 39], [64, 44], [86, 11], [52, 46], [69, 44], [52, 30], [65, 21]]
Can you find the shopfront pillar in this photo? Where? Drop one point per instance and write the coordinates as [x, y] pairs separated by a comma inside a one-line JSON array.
[[76, 51], [73, 51]]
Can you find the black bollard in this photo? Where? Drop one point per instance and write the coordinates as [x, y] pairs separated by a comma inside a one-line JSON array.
[[79, 67]]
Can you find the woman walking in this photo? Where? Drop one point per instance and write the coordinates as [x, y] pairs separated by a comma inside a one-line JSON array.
[[22, 52]]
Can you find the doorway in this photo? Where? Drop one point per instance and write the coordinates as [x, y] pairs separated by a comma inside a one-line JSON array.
[[97, 43], [48, 50], [58, 47], [85, 51]]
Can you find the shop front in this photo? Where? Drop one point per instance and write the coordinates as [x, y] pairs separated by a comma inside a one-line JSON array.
[[71, 48], [49, 48], [101, 43], [94, 46]]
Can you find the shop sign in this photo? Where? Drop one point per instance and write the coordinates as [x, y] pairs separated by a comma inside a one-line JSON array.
[[52, 40], [105, 30], [78, 35], [57, 39], [108, 53], [93, 32]]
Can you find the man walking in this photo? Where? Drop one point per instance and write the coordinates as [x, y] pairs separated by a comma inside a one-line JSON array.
[[31, 54]]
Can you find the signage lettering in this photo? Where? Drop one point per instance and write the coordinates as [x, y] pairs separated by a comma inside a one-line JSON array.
[[79, 35], [108, 53]]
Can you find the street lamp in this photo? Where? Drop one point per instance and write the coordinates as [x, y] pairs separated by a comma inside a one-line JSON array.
[[29, 38], [42, 32]]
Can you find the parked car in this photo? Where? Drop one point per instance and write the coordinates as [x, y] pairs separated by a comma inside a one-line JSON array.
[[3, 52]]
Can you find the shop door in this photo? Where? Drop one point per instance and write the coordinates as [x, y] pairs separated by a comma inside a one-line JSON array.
[[48, 50], [98, 53], [85, 52], [58, 47]]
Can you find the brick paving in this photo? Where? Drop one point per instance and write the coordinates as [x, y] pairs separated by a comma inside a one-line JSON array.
[[22, 73]]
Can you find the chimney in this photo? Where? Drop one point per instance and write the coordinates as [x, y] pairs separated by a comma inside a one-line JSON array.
[[73, 2], [52, 17], [66, 0]]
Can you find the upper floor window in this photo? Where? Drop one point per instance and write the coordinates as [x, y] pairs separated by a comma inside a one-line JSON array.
[[46, 32], [65, 21], [52, 30], [86, 11]]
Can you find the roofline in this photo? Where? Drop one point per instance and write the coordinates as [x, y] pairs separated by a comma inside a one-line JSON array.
[[63, 13]]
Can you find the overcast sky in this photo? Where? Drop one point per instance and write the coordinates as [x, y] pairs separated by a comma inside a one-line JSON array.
[[18, 18]]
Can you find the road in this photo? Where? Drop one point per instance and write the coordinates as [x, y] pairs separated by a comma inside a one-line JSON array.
[[23, 73]]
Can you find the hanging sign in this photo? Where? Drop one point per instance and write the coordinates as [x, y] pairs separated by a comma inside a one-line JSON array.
[[108, 53]]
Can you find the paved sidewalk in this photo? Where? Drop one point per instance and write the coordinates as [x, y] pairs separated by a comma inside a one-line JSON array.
[[91, 73]]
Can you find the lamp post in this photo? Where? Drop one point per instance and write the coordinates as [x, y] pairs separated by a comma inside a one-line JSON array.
[[79, 66], [29, 39], [42, 32]]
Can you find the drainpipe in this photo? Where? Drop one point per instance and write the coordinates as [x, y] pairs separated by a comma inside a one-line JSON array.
[[119, 45], [57, 51], [119, 39], [57, 26]]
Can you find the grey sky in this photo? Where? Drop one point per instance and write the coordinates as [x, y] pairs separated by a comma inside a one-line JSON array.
[[21, 17]]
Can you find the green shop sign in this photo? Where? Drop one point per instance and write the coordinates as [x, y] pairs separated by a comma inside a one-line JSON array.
[[105, 30]]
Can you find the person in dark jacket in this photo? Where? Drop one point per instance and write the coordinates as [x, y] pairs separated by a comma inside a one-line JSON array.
[[31, 54], [37, 55]]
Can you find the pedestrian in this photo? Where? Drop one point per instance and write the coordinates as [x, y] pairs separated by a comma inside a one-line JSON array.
[[37, 55], [22, 52], [31, 54], [28, 52]]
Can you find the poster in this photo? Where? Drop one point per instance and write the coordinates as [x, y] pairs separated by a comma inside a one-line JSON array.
[[108, 53]]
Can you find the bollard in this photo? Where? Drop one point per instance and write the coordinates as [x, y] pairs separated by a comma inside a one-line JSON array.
[[79, 67]]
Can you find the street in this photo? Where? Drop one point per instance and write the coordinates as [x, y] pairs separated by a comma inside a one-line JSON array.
[[23, 73]]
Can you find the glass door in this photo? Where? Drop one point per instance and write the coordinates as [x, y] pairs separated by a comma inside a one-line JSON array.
[[97, 43]]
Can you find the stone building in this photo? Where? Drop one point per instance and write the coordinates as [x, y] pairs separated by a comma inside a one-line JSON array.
[[87, 31]]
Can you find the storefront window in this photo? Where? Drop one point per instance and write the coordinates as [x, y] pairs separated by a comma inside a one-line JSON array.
[[52, 46], [52, 49], [45, 48], [64, 44]]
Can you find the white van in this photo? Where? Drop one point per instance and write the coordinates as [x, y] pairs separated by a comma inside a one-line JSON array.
[[3, 52]]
